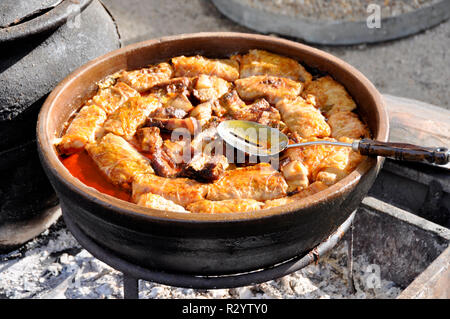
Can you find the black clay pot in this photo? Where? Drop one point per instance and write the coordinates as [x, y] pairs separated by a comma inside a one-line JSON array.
[[206, 244], [41, 42]]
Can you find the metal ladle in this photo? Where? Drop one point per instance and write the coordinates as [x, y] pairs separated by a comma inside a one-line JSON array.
[[261, 140]]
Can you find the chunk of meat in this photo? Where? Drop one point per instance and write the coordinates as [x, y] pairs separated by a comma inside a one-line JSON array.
[[210, 87], [310, 190], [180, 85], [174, 105], [143, 79], [202, 112], [111, 98], [259, 182], [232, 103], [168, 113], [272, 88], [151, 142], [178, 151], [347, 124], [204, 139], [296, 175], [158, 202], [181, 191], [218, 110], [131, 115], [118, 160], [263, 113], [205, 168], [330, 96], [293, 169], [149, 138], [226, 69], [260, 111], [303, 118], [177, 101], [260, 62], [83, 129], [190, 124], [225, 206]]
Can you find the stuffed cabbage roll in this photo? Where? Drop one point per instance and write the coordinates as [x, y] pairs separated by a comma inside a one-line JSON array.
[[272, 88], [259, 182], [82, 130], [226, 69], [260, 62], [224, 206], [181, 191], [303, 118], [131, 115], [118, 160]]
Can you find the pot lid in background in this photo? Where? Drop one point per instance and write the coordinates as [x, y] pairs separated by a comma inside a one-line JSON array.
[[30, 69], [13, 12], [21, 19]]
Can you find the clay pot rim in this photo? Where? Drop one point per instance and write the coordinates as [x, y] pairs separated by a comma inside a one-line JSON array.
[[51, 161]]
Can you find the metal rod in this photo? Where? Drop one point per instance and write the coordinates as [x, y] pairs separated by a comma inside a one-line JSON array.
[[134, 271], [350, 261], [130, 287]]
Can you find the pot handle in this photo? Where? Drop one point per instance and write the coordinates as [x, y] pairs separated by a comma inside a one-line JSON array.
[[404, 152]]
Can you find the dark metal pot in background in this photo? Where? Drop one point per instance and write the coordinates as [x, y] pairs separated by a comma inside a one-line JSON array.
[[41, 42]]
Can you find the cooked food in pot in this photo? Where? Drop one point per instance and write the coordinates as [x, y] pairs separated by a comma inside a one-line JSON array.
[[150, 135]]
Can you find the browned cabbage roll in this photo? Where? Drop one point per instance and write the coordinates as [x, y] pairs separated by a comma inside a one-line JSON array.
[[347, 124], [143, 79], [181, 191], [259, 182], [118, 160], [272, 88], [131, 115], [329, 95], [310, 190], [303, 118], [82, 130], [224, 206], [111, 98], [260, 62], [158, 202], [338, 164], [195, 65], [327, 163]]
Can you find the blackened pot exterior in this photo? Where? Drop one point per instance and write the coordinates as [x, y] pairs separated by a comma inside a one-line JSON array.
[[212, 247], [205, 244], [30, 67]]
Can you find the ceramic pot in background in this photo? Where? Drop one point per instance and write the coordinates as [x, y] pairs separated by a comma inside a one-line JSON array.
[[41, 42]]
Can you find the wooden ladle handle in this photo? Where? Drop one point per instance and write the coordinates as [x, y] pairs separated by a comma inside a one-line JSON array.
[[404, 152]]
